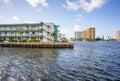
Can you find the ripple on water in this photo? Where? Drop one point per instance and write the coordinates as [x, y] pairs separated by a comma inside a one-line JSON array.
[[88, 61]]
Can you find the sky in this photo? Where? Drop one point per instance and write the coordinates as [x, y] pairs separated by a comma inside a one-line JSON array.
[[71, 15]]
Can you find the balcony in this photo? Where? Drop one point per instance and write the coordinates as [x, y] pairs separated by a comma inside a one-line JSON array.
[[2, 35]]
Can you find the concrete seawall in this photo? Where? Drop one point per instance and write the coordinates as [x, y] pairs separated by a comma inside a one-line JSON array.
[[38, 45]]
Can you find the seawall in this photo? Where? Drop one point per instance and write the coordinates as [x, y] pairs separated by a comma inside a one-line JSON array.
[[38, 45]]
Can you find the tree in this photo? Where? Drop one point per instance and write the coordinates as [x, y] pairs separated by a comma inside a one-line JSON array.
[[64, 38], [53, 35], [21, 33]]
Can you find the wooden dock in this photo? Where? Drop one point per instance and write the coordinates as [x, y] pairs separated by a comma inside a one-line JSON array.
[[38, 45]]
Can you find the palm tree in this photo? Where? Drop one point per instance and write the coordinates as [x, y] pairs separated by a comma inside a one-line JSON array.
[[53, 35], [21, 34]]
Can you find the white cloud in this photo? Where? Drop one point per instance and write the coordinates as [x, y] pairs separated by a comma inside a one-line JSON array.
[[92, 5], [14, 18], [64, 31], [72, 5], [84, 4], [1, 17], [28, 21], [35, 3], [79, 17], [7, 1], [77, 28]]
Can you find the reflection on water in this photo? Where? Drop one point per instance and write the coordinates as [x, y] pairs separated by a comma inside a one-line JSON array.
[[88, 61]]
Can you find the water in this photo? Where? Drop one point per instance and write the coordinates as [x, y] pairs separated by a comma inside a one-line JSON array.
[[88, 61]]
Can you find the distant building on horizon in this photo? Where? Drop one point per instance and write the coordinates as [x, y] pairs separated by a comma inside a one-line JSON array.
[[78, 35], [118, 35], [89, 34]]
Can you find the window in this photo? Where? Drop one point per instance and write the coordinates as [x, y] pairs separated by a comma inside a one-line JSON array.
[[33, 38], [11, 38], [12, 32], [41, 37], [27, 33], [5, 32], [33, 27], [41, 31], [33, 32]]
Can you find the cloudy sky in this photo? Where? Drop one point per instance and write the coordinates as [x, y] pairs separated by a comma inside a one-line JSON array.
[[71, 15]]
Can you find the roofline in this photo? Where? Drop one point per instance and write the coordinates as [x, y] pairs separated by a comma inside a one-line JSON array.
[[23, 24]]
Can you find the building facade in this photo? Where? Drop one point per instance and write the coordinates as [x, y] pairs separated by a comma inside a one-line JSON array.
[[118, 35], [78, 35], [29, 31], [89, 34]]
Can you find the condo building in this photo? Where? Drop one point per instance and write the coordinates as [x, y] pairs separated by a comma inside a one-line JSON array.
[[118, 35], [29, 31], [89, 34], [78, 35]]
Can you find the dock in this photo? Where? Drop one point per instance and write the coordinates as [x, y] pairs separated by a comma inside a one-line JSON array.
[[37, 45]]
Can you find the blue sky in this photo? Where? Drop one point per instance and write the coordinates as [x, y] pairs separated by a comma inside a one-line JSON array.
[[71, 15]]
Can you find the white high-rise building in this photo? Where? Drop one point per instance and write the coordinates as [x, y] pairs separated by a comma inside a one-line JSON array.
[[78, 35], [29, 31]]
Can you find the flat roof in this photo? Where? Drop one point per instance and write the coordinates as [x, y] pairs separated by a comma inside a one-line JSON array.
[[24, 24]]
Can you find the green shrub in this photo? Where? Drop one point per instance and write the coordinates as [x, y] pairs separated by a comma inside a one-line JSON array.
[[64, 41], [1, 40], [80, 39], [23, 41], [13, 40], [87, 39], [34, 40]]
